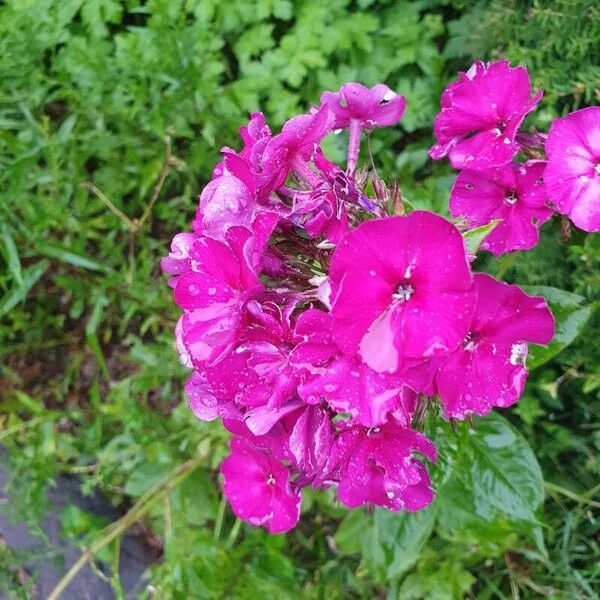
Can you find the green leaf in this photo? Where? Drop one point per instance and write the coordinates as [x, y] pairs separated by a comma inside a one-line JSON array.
[[570, 317], [18, 293], [394, 542], [350, 534], [474, 237], [145, 476], [67, 256], [436, 579], [12, 256], [495, 488]]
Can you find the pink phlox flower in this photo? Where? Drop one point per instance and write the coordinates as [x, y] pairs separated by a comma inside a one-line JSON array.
[[401, 290], [372, 107], [293, 148], [358, 107], [310, 441], [275, 443], [349, 386], [215, 291], [573, 172], [376, 465], [346, 383], [259, 488], [204, 404], [488, 369], [233, 199], [514, 193], [323, 209], [257, 374], [255, 136], [314, 343], [178, 259], [481, 114]]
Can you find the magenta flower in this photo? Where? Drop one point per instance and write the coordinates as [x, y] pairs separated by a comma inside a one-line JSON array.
[[213, 294], [258, 488], [294, 147], [402, 290], [311, 439], [204, 404], [376, 466], [225, 202], [481, 114], [350, 386], [322, 210], [317, 325], [256, 374], [378, 106], [255, 136], [573, 172], [358, 107], [489, 367], [514, 194]]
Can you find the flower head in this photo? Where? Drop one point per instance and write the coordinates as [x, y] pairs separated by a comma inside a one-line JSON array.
[[378, 106], [514, 194], [402, 290], [573, 172], [258, 488], [488, 369], [481, 114], [317, 324], [375, 465]]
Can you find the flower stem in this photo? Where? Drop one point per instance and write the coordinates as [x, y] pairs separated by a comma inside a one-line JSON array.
[[219, 519], [233, 533], [354, 131]]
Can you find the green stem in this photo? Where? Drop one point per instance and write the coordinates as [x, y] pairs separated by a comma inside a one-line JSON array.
[[134, 514], [219, 519], [233, 534], [24, 425], [572, 495]]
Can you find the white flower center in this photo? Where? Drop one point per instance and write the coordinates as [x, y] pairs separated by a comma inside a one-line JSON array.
[[403, 292]]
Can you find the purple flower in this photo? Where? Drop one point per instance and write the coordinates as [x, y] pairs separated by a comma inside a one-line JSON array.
[[573, 173], [481, 114], [488, 369], [323, 209], [375, 465], [513, 193], [258, 488], [402, 290], [358, 107]]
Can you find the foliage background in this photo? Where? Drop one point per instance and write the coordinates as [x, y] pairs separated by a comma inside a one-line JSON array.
[[111, 116]]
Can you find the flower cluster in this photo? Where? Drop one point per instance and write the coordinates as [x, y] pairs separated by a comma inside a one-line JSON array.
[[478, 129], [321, 320]]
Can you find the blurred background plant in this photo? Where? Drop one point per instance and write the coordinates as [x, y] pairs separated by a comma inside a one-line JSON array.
[[111, 117]]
